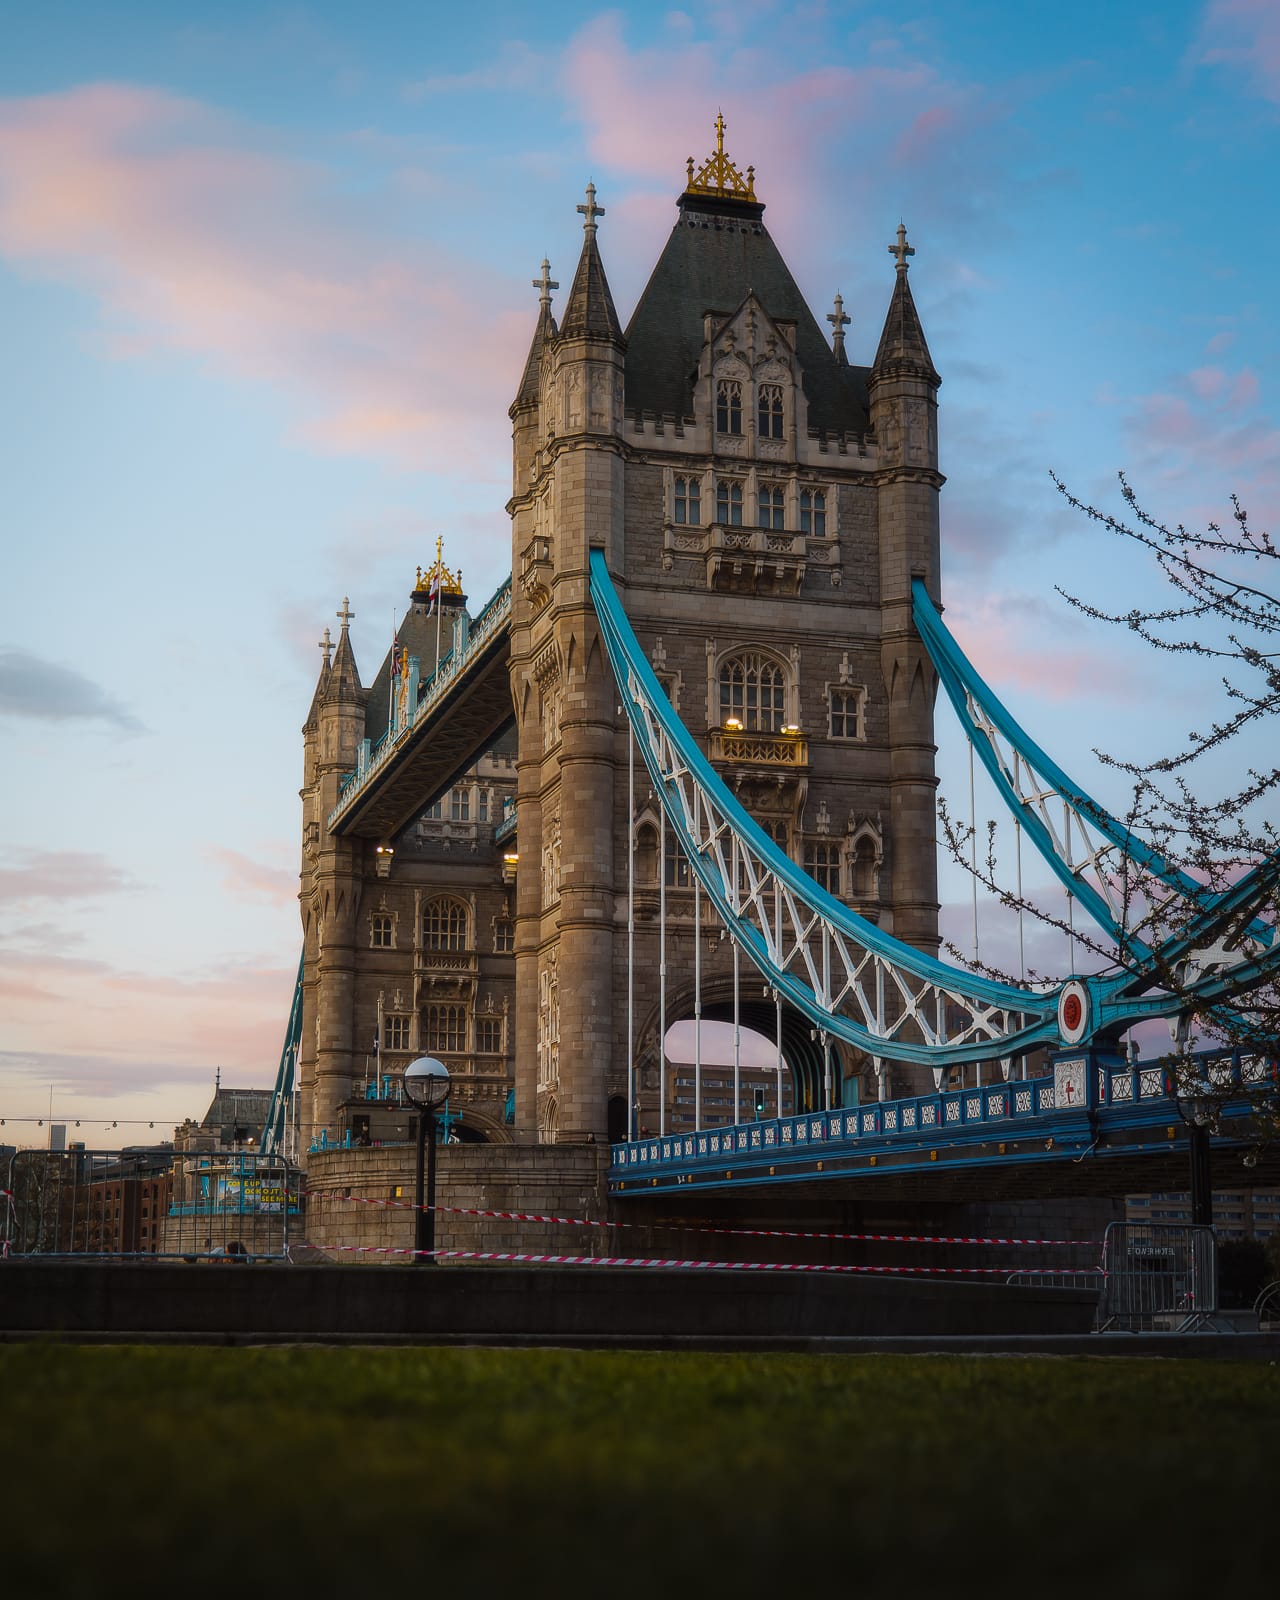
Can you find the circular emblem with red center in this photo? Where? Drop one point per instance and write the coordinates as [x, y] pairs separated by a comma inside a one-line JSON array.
[[1073, 1012]]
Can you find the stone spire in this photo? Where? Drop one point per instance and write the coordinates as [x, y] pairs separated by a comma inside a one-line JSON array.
[[543, 333], [590, 313], [343, 681], [902, 343]]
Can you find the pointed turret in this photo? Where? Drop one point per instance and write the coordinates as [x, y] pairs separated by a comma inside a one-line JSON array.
[[322, 682], [343, 683], [902, 346], [590, 312], [543, 333]]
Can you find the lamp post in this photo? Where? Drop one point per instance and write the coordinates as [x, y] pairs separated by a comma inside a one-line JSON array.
[[1195, 1109], [426, 1086]]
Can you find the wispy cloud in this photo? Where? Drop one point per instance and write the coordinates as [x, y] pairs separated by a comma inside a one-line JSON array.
[[31, 686], [1243, 35], [248, 879], [517, 66], [197, 233], [39, 875]]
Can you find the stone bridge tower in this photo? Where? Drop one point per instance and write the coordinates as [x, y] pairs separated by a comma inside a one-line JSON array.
[[763, 505]]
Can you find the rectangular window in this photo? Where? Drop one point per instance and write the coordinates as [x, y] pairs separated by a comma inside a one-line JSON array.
[[847, 721], [395, 1031], [504, 936], [677, 865], [729, 502], [688, 501], [728, 407], [770, 505], [460, 805], [380, 934], [822, 863], [489, 1036], [446, 1029], [769, 411], [482, 811], [813, 512]]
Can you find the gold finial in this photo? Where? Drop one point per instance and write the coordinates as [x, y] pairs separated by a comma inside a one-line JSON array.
[[718, 176], [437, 578]]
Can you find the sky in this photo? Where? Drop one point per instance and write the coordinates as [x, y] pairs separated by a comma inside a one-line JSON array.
[[265, 295]]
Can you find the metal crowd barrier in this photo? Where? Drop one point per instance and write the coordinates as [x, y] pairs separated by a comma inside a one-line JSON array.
[[149, 1205], [1159, 1276]]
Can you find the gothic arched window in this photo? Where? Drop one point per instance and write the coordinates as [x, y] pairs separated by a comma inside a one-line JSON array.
[[813, 512], [688, 501], [770, 507], [728, 406], [444, 925], [769, 410], [752, 693], [729, 502]]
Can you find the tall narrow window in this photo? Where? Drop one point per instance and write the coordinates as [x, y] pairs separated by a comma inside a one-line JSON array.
[[847, 719], [444, 925], [728, 406], [504, 936], [381, 932], [688, 500], [395, 1033], [489, 1036], [482, 811], [729, 502], [770, 497], [752, 694], [769, 411], [777, 831], [677, 865], [813, 512], [460, 805]]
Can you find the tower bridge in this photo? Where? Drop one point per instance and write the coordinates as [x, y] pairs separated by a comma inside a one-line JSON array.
[[681, 767]]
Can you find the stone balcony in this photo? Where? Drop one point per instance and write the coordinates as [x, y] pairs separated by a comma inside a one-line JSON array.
[[746, 560], [735, 747]]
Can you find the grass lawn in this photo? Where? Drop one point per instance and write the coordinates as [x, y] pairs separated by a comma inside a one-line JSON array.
[[489, 1472]]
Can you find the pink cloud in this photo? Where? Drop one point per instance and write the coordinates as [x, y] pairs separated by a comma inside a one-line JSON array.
[[60, 875], [1021, 641], [247, 879], [1207, 381], [1243, 35], [194, 239]]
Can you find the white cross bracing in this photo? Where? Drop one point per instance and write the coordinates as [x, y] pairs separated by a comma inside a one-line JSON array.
[[871, 1000]]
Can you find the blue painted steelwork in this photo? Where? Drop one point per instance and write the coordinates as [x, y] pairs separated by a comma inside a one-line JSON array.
[[278, 1110], [1021, 1119], [1099, 871]]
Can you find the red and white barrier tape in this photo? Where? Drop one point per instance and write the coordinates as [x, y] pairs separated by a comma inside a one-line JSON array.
[[539, 1259], [681, 1227]]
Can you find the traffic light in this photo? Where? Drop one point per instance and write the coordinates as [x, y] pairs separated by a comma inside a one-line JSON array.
[[759, 1104]]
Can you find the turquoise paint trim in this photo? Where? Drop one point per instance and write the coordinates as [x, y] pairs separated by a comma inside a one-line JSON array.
[[273, 1128]]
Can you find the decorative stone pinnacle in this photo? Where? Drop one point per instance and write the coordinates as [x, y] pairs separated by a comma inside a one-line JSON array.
[[590, 211], [839, 321], [546, 283], [345, 615], [902, 249], [326, 644]]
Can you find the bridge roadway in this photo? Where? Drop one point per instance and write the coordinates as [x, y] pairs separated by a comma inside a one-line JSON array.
[[463, 708], [1002, 1141]]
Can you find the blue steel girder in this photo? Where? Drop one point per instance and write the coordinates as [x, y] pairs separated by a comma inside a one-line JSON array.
[[1105, 866], [851, 980], [273, 1128]]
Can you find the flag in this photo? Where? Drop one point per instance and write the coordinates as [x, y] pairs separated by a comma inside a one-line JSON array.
[[395, 655], [433, 593]]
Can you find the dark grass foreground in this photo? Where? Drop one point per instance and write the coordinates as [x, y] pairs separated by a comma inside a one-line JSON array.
[[355, 1472]]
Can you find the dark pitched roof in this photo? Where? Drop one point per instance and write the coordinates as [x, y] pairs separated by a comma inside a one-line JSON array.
[[589, 311], [344, 678], [719, 252], [527, 393], [417, 635], [902, 343]]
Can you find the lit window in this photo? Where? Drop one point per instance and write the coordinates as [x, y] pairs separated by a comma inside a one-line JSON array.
[[444, 925], [770, 498], [489, 1036], [396, 1033], [380, 932], [769, 411], [728, 407], [460, 805], [847, 714], [752, 694], [447, 1028], [729, 502], [688, 500], [813, 512], [822, 863], [504, 936]]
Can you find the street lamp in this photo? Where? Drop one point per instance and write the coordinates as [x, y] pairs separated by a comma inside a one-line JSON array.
[[426, 1086], [1195, 1106]]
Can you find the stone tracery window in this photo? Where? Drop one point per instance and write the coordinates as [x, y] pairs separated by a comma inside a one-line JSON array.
[[688, 501], [729, 501], [848, 713], [728, 406], [769, 410], [446, 1029], [770, 497], [753, 693], [822, 863], [813, 512], [444, 925]]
